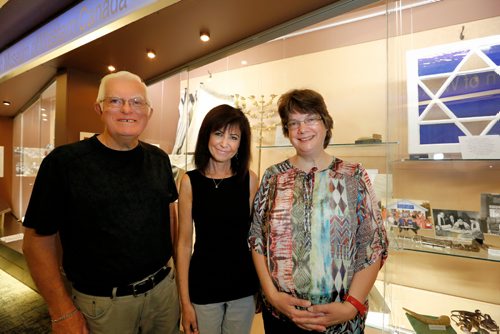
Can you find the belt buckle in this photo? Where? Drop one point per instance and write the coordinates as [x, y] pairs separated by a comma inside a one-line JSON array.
[[135, 286]]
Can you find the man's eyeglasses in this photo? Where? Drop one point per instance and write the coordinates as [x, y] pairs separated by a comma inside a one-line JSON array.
[[117, 103], [310, 121]]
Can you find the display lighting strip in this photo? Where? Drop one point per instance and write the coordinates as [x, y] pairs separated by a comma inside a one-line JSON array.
[[358, 18]]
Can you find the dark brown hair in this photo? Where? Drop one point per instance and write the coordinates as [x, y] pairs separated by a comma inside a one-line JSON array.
[[304, 101], [221, 118]]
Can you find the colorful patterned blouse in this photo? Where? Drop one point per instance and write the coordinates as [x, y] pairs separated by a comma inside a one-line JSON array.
[[317, 230]]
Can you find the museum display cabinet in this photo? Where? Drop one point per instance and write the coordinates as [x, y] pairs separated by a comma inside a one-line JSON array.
[[443, 110], [33, 139]]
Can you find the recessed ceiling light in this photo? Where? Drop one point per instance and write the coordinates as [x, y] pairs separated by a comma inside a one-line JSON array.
[[111, 68], [151, 54], [244, 62], [6, 103], [204, 36]]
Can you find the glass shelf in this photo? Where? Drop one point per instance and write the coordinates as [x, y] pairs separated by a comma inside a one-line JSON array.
[[333, 145], [468, 165], [408, 244]]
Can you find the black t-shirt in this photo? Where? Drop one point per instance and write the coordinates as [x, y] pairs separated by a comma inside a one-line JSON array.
[[221, 267], [110, 207]]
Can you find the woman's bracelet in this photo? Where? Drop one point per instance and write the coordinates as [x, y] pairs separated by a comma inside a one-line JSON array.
[[64, 317], [356, 303]]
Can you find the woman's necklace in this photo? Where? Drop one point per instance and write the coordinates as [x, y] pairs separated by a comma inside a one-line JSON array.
[[216, 184]]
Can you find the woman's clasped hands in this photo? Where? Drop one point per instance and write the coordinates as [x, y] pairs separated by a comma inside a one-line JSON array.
[[312, 317]]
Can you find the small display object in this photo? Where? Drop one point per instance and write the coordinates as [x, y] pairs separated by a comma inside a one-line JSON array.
[[374, 139], [490, 212], [474, 322], [426, 324], [408, 215], [454, 224], [28, 159], [462, 244]]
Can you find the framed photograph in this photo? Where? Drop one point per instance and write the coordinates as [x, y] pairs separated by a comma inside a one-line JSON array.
[[455, 224], [490, 212], [408, 215], [452, 92]]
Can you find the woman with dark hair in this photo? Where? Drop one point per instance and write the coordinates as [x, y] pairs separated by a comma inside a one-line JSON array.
[[317, 236], [217, 283]]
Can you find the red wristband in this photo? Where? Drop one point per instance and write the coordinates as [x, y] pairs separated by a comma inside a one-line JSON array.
[[356, 303]]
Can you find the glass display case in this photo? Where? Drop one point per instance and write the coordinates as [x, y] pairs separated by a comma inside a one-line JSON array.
[[33, 139], [443, 109]]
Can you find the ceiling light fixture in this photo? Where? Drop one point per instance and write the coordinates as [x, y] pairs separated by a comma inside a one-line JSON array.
[[6, 103], [151, 54], [111, 68], [204, 36]]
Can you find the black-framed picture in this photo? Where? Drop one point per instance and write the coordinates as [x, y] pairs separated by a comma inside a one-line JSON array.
[[456, 224]]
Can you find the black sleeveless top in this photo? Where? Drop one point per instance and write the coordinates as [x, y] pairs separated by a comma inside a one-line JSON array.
[[221, 267]]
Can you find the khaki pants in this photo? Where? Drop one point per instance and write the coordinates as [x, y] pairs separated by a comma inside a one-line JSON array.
[[156, 311]]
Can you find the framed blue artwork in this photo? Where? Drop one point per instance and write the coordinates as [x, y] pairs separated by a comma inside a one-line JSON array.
[[453, 91]]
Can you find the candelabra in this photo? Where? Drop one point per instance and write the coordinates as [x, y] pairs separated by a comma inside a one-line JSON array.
[[261, 113]]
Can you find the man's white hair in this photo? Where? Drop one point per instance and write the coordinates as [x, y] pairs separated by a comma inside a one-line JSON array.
[[124, 75]]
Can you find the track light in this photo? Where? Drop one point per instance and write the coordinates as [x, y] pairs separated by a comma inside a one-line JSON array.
[[204, 36], [151, 54]]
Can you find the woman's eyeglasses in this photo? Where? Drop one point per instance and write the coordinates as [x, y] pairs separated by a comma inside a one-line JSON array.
[[310, 121]]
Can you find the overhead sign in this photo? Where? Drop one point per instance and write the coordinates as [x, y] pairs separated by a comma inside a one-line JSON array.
[[83, 23]]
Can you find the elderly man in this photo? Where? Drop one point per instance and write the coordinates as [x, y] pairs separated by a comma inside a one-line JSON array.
[[110, 200]]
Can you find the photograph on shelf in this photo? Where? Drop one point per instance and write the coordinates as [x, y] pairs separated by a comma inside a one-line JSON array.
[[490, 212], [456, 224], [408, 215]]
